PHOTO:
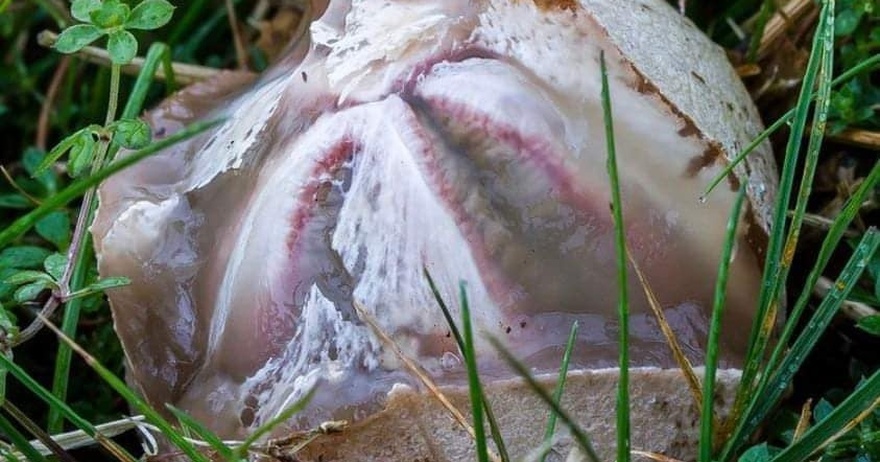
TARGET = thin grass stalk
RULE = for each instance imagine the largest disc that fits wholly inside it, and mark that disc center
(771, 390)
(826, 250)
(849, 276)
(84, 253)
(19, 441)
(580, 437)
(132, 398)
(770, 295)
(707, 415)
(283, 416)
(28, 382)
(39, 433)
(864, 66)
(865, 396)
(767, 8)
(623, 432)
(187, 421)
(474, 387)
(494, 428)
(560, 387)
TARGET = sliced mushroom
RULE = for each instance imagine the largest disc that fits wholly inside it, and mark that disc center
(461, 137)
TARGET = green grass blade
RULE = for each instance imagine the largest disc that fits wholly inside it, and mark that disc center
(83, 262)
(77, 188)
(202, 432)
(494, 428)
(282, 417)
(768, 394)
(832, 240)
(54, 402)
(580, 437)
(864, 66)
(767, 8)
(774, 272)
(41, 436)
(19, 441)
(475, 389)
(560, 387)
(135, 102)
(849, 276)
(707, 415)
(623, 433)
(866, 395)
(168, 431)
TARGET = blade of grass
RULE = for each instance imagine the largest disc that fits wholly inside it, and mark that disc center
(707, 415)
(77, 188)
(157, 54)
(224, 451)
(19, 441)
(671, 340)
(774, 271)
(560, 387)
(623, 438)
(494, 428)
(475, 389)
(772, 389)
(131, 397)
(40, 434)
(580, 437)
(837, 231)
(414, 368)
(864, 66)
(764, 14)
(52, 401)
(283, 416)
(814, 329)
(865, 396)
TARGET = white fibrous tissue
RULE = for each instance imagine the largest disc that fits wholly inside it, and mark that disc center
(462, 139)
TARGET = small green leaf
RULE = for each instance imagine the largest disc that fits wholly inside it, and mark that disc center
(55, 228)
(870, 324)
(27, 276)
(76, 37)
(62, 147)
(846, 21)
(23, 257)
(100, 286)
(122, 46)
(31, 161)
(112, 13)
(81, 154)
(82, 9)
(30, 291)
(759, 453)
(131, 133)
(150, 14)
(55, 265)
(14, 201)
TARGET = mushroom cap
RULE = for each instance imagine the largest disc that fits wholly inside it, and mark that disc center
(462, 137)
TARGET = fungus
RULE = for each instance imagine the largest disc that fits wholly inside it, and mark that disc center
(461, 137)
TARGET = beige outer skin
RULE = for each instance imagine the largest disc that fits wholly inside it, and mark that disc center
(413, 427)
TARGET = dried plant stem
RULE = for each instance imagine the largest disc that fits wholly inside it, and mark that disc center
(184, 73)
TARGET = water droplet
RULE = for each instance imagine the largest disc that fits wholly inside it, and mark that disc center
(703, 199)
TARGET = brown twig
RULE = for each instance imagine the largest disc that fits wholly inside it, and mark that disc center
(781, 20)
(183, 73)
(240, 51)
(18, 188)
(857, 137)
(48, 102)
